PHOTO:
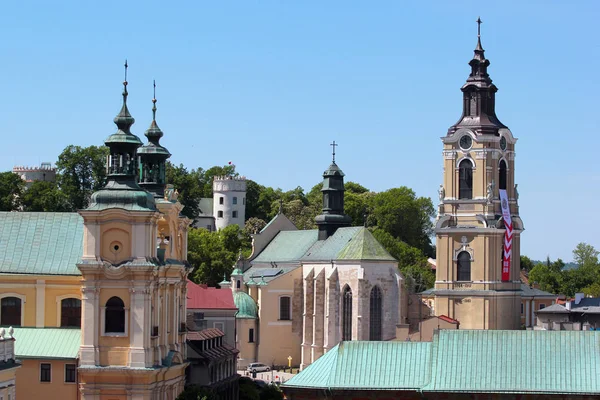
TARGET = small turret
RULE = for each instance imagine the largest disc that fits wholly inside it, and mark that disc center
(333, 216)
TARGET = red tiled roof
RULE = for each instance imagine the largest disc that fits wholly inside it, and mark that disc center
(204, 334)
(448, 319)
(202, 297)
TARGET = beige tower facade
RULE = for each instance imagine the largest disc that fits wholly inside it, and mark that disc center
(479, 161)
(133, 279)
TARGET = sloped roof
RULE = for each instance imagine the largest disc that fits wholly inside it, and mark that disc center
(43, 243)
(364, 365)
(471, 361)
(50, 343)
(527, 291)
(553, 309)
(287, 246)
(199, 297)
(350, 243)
(246, 305)
(478, 361)
(209, 333)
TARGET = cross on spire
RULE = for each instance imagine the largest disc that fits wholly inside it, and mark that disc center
(333, 145)
(154, 101)
(479, 22)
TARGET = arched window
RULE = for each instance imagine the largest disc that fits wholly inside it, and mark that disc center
(115, 316)
(285, 312)
(463, 270)
(502, 174)
(375, 311)
(70, 313)
(465, 179)
(347, 314)
(10, 311)
(238, 284)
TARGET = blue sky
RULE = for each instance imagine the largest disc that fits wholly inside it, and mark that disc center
(269, 84)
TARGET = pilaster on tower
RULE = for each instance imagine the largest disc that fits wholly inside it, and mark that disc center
(479, 161)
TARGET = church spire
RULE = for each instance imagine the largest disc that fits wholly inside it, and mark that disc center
(479, 95)
(332, 216)
(121, 189)
(153, 157)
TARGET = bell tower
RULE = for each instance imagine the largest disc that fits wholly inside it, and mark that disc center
(133, 282)
(479, 164)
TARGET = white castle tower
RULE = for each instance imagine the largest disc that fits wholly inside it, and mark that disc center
(229, 201)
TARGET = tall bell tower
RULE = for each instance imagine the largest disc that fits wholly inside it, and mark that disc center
(479, 162)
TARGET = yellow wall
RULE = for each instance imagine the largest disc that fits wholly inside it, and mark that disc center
(279, 339)
(6, 376)
(30, 387)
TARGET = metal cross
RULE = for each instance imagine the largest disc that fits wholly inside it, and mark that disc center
(154, 94)
(479, 21)
(333, 145)
(126, 70)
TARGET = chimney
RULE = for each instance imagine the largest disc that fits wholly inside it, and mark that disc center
(568, 305)
(578, 297)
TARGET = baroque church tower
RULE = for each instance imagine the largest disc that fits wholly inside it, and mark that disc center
(134, 273)
(479, 163)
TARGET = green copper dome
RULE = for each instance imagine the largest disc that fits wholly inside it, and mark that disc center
(246, 305)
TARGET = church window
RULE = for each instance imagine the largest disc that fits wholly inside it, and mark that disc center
(70, 313)
(375, 310)
(235, 200)
(347, 314)
(251, 335)
(502, 174)
(115, 316)
(70, 372)
(10, 311)
(238, 284)
(522, 308)
(285, 312)
(220, 214)
(45, 372)
(463, 270)
(465, 176)
(221, 200)
(234, 214)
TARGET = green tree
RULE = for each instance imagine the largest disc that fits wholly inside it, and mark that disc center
(405, 216)
(209, 174)
(271, 392)
(585, 255)
(80, 172)
(248, 390)
(44, 196)
(526, 263)
(190, 186)
(546, 277)
(11, 190)
(213, 254)
(197, 393)
(412, 263)
(254, 225)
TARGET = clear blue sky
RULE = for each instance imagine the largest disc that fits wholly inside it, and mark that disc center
(269, 84)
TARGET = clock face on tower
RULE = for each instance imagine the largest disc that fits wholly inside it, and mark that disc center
(465, 142)
(503, 143)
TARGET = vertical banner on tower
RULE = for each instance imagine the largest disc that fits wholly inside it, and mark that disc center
(508, 235)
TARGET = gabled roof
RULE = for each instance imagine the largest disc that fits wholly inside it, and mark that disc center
(553, 309)
(287, 246)
(43, 243)
(49, 343)
(363, 365)
(209, 333)
(350, 243)
(471, 361)
(199, 297)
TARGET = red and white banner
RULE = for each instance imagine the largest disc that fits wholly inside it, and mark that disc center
(508, 235)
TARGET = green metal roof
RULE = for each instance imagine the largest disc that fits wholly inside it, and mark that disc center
(287, 246)
(246, 305)
(471, 361)
(365, 365)
(350, 243)
(515, 361)
(51, 343)
(40, 243)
